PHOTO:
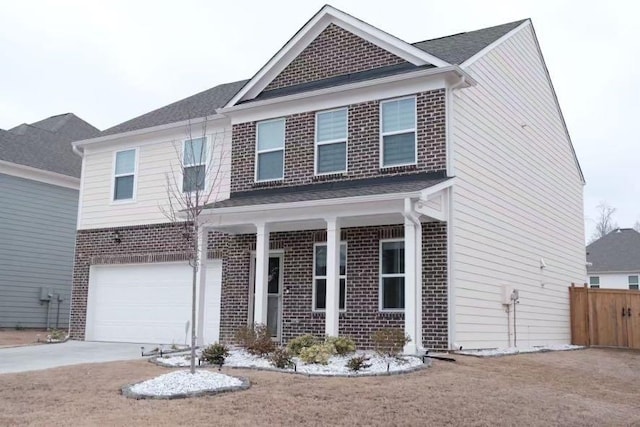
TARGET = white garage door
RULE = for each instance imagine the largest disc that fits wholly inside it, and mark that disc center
(149, 303)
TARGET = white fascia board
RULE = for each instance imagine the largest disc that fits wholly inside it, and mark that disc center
(495, 44)
(632, 272)
(146, 131)
(337, 96)
(434, 189)
(40, 175)
(328, 15)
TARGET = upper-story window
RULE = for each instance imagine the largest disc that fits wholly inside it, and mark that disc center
(194, 161)
(398, 132)
(124, 174)
(633, 282)
(594, 282)
(270, 150)
(331, 141)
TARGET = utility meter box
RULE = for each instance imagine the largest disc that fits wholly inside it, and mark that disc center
(509, 295)
(46, 294)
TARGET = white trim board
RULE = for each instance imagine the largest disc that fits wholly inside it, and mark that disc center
(39, 175)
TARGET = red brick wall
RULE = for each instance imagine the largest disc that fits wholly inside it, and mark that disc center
(139, 244)
(363, 145)
(334, 52)
(362, 316)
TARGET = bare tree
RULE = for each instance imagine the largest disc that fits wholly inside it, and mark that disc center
(190, 186)
(605, 223)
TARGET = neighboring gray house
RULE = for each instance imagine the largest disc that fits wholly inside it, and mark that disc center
(613, 261)
(39, 185)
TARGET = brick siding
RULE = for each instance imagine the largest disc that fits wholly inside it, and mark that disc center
(363, 145)
(334, 52)
(362, 316)
(138, 244)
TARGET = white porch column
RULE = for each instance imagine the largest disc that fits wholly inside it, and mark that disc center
(202, 281)
(262, 273)
(410, 277)
(333, 278)
(418, 302)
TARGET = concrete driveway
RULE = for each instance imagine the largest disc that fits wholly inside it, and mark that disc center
(36, 357)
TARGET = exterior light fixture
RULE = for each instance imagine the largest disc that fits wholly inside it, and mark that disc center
(116, 237)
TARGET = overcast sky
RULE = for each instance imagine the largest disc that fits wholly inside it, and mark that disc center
(110, 61)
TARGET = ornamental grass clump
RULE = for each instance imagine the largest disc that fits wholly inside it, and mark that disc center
(281, 358)
(317, 353)
(297, 344)
(256, 340)
(357, 363)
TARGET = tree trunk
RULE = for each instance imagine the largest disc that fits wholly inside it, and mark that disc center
(194, 269)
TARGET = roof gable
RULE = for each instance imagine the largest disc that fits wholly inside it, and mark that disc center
(618, 251)
(321, 21)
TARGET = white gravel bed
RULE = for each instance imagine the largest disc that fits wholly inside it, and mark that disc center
(518, 350)
(184, 384)
(337, 366)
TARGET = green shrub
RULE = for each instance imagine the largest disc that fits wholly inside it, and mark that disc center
(215, 354)
(318, 353)
(343, 345)
(390, 342)
(358, 362)
(281, 358)
(256, 340)
(57, 335)
(297, 344)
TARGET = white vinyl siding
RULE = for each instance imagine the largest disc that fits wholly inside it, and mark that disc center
(270, 150)
(391, 275)
(331, 141)
(320, 277)
(398, 132)
(614, 280)
(194, 158)
(517, 199)
(158, 157)
(124, 175)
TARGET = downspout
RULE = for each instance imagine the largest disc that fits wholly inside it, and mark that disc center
(413, 216)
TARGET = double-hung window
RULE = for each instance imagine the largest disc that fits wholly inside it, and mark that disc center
(331, 141)
(392, 275)
(320, 277)
(633, 282)
(194, 158)
(398, 132)
(270, 150)
(594, 282)
(124, 174)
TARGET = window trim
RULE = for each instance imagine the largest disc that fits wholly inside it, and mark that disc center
(314, 278)
(415, 132)
(134, 192)
(316, 143)
(594, 285)
(637, 283)
(270, 150)
(205, 164)
(380, 277)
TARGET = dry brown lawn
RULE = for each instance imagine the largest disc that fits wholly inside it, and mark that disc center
(586, 387)
(14, 338)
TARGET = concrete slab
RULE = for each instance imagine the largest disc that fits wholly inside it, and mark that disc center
(33, 358)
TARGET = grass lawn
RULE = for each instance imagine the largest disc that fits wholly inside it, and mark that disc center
(584, 387)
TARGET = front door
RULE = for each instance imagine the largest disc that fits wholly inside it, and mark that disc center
(274, 294)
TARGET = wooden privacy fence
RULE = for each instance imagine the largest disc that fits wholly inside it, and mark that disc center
(605, 317)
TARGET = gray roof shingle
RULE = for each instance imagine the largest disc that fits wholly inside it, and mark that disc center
(454, 49)
(457, 48)
(618, 251)
(46, 144)
(334, 190)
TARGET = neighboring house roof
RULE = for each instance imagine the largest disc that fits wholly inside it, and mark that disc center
(46, 144)
(618, 251)
(334, 190)
(457, 48)
(454, 49)
(202, 104)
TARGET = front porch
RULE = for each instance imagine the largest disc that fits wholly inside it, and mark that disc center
(283, 266)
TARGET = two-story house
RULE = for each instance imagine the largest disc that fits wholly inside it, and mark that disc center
(39, 185)
(369, 183)
(613, 261)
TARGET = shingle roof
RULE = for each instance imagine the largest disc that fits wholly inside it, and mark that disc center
(457, 48)
(454, 49)
(334, 190)
(46, 144)
(618, 251)
(199, 105)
